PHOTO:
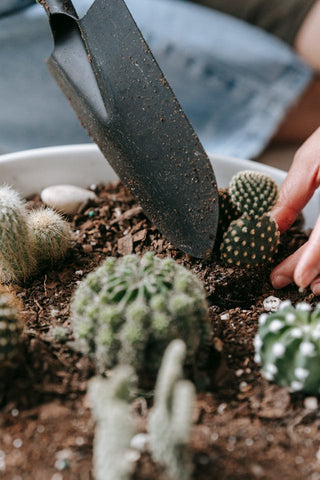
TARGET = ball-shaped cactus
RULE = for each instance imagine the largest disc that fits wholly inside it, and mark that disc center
(129, 309)
(288, 347)
(253, 193)
(10, 326)
(50, 234)
(250, 241)
(17, 261)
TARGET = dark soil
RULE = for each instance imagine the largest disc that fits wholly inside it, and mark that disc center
(245, 428)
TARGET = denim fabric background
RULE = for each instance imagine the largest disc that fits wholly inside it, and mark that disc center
(234, 81)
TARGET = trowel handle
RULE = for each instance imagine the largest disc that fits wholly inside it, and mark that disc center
(59, 6)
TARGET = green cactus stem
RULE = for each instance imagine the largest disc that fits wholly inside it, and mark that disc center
(253, 193)
(129, 309)
(114, 425)
(170, 420)
(51, 235)
(249, 241)
(288, 347)
(17, 261)
(10, 326)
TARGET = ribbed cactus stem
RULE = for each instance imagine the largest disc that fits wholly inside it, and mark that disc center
(114, 425)
(170, 420)
(50, 234)
(288, 347)
(10, 326)
(130, 308)
(17, 261)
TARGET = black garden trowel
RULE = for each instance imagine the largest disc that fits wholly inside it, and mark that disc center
(110, 77)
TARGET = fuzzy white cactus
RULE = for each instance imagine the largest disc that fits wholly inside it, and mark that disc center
(171, 417)
(114, 425)
(28, 241)
(17, 261)
(51, 235)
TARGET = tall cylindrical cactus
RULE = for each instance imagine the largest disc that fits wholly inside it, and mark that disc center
(171, 417)
(129, 309)
(17, 261)
(114, 424)
(288, 347)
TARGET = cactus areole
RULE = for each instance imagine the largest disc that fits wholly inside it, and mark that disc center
(288, 347)
(129, 309)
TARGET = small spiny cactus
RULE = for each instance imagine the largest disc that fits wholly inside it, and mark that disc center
(129, 309)
(114, 425)
(171, 417)
(10, 326)
(250, 241)
(51, 235)
(28, 241)
(17, 261)
(253, 193)
(252, 238)
(288, 347)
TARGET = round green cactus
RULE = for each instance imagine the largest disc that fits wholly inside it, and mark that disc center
(50, 235)
(129, 309)
(288, 347)
(10, 326)
(253, 193)
(250, 241)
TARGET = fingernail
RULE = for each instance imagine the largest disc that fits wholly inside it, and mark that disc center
(316, 289)
(280, 281)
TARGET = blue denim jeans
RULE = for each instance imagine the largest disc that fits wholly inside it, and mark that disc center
(234, 81)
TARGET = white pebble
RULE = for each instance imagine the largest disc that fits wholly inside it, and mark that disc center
(271, 304)
(67, 199)
(225, 316)
(140, 442)
(311, 403)
(17, 443)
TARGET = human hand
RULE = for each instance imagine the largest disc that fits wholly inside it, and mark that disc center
(303, 266)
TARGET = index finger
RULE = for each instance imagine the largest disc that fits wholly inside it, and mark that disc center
(298, 187)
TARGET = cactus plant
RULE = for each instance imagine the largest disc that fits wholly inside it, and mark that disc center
(28, 241)
(17, 261)
(250, 241)
(51, 235)
(114, 425)
(10, 326)
(253, 193)
(171, 417)
(129, 309)
(288, 347)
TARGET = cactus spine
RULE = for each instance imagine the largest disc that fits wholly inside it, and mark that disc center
(10, 326)
(288, 347)
(114, 426)
(129, 309)
(171, 417)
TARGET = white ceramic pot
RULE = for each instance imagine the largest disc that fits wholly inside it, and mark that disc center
(31, 170)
